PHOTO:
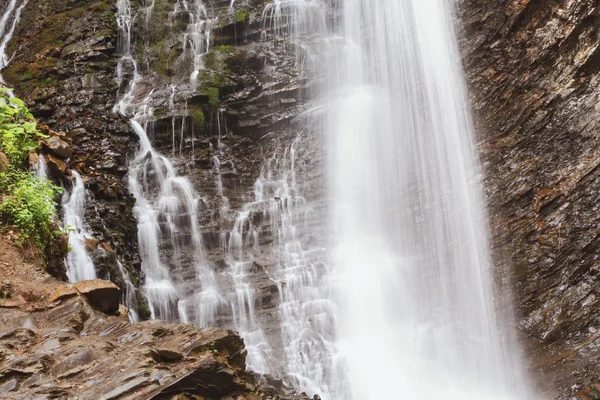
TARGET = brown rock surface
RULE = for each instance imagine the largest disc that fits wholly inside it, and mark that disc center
(533, 74)
(56, 166)
(4, 162)
(68, 349)
(102, 295)
(57, 147)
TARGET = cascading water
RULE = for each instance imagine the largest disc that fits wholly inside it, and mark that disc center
(8, 23)
(166, 203)
(41, 168)
(411, 267)
(402, 307)
(79, 264)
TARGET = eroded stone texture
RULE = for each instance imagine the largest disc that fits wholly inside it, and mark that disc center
(74, 350)
(55, 342)
(533, 73)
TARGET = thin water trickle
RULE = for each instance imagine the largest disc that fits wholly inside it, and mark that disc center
(41, 168)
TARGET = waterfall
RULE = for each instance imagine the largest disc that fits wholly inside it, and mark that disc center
(8, 23)
(399, 298)
(79, 264)
(411, 266)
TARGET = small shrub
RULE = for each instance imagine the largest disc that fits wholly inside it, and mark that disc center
(29, 205)
(213, 96)
(197, 116)
(241, 15)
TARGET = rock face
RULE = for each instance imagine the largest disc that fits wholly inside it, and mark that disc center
(244, 112)
(533, 74)
(70, 349)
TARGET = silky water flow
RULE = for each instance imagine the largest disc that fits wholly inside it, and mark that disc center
(411, 267)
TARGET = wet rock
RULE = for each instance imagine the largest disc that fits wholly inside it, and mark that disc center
(57, 147)
(4, 162)
(51, 362)
(56, 166)
(532, 70)
(102, 295)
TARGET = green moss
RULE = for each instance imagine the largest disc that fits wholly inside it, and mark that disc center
(198, 116)
(213, 96)
(241, 15)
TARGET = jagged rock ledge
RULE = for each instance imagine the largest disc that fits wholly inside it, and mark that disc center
(55, 342)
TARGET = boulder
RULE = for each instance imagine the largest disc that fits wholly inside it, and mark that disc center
(165, 355)
(56, 166)
(4, 163)
(102, 295)
(57, 147)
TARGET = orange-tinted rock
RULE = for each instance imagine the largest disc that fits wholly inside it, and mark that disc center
(102, 295)
(62, 292)
(56, 166)
(107, 247)
(91, 244)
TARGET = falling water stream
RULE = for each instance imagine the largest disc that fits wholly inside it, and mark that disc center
(411, 265)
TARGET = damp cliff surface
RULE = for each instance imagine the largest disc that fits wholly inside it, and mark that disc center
(234, 130)
(63, 67)
(532, 69)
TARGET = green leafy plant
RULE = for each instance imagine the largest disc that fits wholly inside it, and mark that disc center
(18, 132)
(29, 205)
(241, 15)
(27, 202)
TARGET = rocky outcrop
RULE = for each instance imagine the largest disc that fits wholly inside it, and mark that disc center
(56, 342)
(4, 163)
(533, 74)
(69, 349)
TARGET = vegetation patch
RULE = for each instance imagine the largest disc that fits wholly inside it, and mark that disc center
(241, 15)
(27, 202)
(197, 116)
